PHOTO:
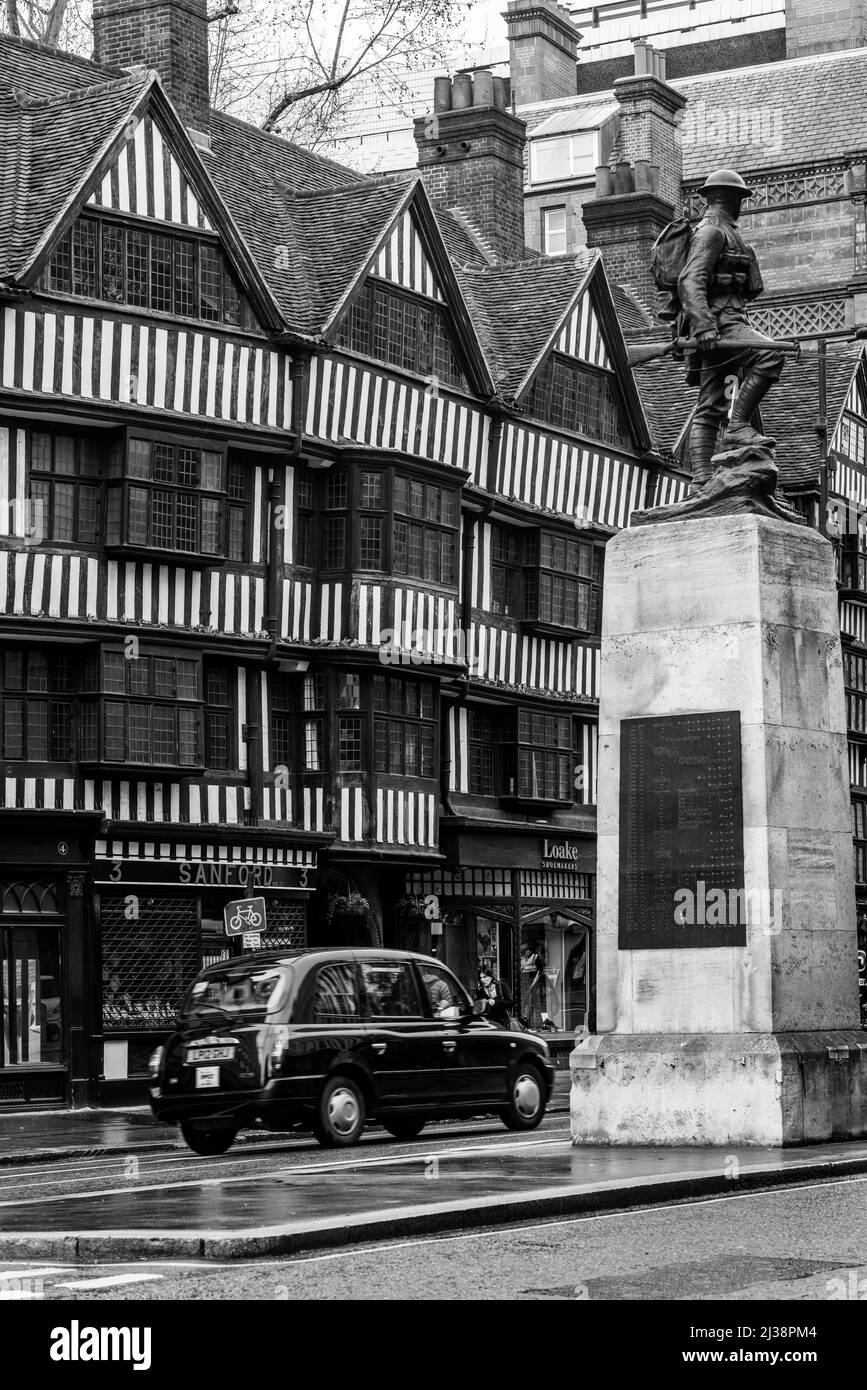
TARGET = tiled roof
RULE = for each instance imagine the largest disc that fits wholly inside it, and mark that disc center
(47, 148)
(35, 71)
(775, 115)
(788, 411)
(516, 309)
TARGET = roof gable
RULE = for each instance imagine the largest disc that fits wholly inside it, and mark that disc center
(410, 248)
(402, 259)
(146, 178)
(582, 337)
(130, 153)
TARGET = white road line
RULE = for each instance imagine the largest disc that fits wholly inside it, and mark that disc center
(493, 1232)
(420, 1156)
(109, 1281)
(33, 1273)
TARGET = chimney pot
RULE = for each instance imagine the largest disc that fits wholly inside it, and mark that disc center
(442, 94)
(662, 65)
(623, 178)
(643, 60)
(604, 185)
(642, 176)
(500, 93)
(483, 88)
(462, 91)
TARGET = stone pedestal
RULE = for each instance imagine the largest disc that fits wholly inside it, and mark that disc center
(760, 1042)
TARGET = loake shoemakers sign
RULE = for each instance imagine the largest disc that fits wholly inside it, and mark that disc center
(77, 1343)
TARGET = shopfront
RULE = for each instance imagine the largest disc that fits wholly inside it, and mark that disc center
(532, 926)
(159, 919)
(43, 959)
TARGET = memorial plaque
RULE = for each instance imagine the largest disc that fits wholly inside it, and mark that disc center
(681, 832)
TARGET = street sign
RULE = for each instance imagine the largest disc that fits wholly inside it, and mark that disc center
(251, 940)
(244, 915)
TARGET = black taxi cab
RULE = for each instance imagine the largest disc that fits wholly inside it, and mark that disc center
(326, 1039)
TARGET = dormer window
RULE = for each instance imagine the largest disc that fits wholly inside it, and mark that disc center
(168, 272)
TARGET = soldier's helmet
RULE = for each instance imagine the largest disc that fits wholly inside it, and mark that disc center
(725, 178)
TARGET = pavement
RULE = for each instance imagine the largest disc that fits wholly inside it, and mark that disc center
(355, 1196)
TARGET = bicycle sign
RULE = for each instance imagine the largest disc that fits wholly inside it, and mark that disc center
(244, 915)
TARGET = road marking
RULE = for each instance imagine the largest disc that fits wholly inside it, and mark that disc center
(421, 1156)
(108, 1281)
(33, 1273)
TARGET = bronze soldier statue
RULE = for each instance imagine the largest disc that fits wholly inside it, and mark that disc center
(720, 278)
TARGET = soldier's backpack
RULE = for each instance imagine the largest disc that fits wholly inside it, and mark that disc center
(669, 253)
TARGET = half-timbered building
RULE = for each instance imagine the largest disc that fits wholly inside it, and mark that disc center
(301, 553)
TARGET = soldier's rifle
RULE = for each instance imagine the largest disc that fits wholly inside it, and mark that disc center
(639, 353)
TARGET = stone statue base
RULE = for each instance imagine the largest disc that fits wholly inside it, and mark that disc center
(744, 481)
(707, 1042)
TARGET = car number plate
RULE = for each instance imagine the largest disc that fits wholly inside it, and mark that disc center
(207, 1076)
(210, 1054)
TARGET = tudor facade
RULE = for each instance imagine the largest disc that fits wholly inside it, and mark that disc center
(299, 590)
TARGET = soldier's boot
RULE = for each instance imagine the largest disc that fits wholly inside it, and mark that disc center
(702, 447)
(752, 390)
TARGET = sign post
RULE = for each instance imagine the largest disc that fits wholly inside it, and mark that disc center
(245, 917)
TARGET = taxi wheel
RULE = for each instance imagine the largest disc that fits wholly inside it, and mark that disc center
(340, 1115)
(208, 1141)
(527, 1104)
(404, 1128)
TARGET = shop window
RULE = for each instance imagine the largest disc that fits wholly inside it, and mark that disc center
(393, 327)
(37, 700)
(147, 962)
(171, 274)
(220, 742)
(31, 1002)
(64, 486)
(166, 496)
(563, 582)
(505, 571)
(554, 973)
(390, 990)
(144, 710)
(578, 398)
(404, 726)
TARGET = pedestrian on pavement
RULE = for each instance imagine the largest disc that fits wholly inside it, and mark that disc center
(491, 991)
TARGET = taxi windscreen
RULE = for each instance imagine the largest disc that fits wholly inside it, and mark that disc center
(238, 993)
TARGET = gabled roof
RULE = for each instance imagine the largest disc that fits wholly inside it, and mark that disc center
(34, 70)
(60, 149)
(788, 412)
(48, 148)
(521, 308)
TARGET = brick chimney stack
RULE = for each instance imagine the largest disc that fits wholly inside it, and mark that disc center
(168, 35)
(543, 50)
(817, 26)
(635, 200)
(471, 156)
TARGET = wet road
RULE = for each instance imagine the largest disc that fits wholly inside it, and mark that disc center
(803, 1243)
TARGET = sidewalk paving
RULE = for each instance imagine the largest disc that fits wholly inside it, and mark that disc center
(47, 1136)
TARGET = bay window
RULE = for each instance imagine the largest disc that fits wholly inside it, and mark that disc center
(404, 727)
(168, 496)
(563, 582)
(64, 486)
(381, 520)
(37, 705)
